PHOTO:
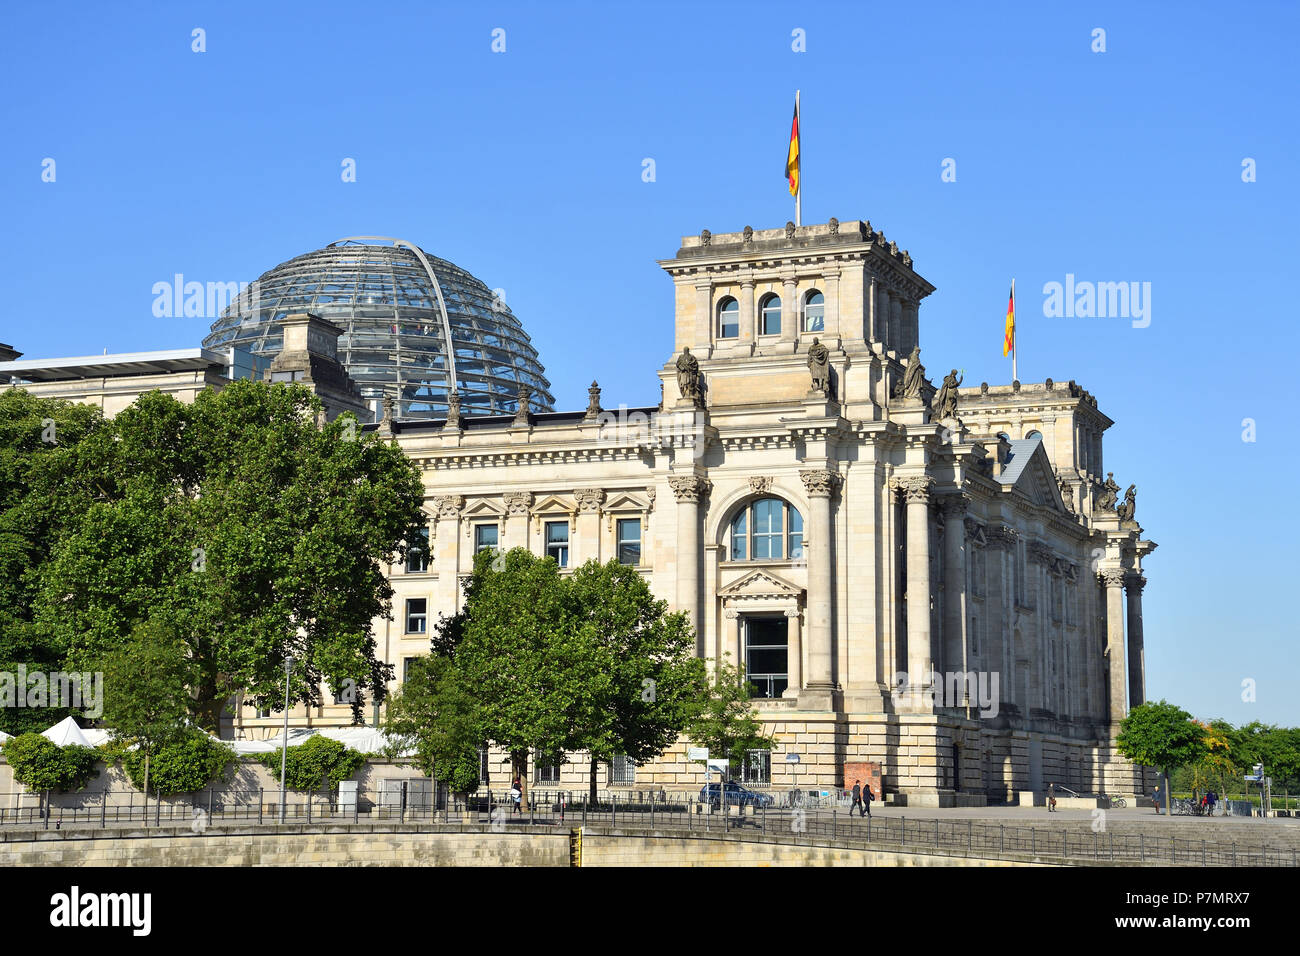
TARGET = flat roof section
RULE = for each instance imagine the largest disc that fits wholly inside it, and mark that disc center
(111, 366)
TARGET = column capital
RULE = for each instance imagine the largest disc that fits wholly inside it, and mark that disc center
(1001, 536)
(689, 488)
(820, 482)
(518, 502)
(1111, 577)
(1135, 582)
(913, 487)
(448, 506)
(953, 505)
(589, 499)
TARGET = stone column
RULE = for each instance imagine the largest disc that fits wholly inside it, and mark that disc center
(587, 545)
(689, 490)
(818, 533)
(445, 548)
(954, 583)
(705, 333)
(911, 325)
(880, 327)
(920, 656)
(516, 524)
(794, 654)
(1112, 579)
(1137, 669)
(896, 324)
(747, 328)
(789, 310)
(831, 300)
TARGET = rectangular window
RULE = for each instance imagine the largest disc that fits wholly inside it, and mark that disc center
(406, 668)
(768, 529)
(417, 559)
(767, 656)
(482, 765)
(485, 536)
(757, 767)
(416, 615)
(622, 771)
(740, 536)
(629, 541)
(557, 542)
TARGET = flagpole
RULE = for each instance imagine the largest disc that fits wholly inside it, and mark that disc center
(1015, 335)
(798, 193)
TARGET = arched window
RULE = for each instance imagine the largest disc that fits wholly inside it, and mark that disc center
(1034, 434)
(770, 315)
(728, 318)
(768, 529)
(814, 312)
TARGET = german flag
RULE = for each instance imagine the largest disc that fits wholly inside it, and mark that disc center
(1009, 337)
(792, 157)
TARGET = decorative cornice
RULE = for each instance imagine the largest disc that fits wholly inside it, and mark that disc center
(820, 482)
(689, 489)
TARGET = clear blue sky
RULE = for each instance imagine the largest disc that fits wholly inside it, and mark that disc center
(524, 167)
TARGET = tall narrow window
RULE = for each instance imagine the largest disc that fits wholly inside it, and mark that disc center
(740, 536)
(416, 615)
(770, 315)
(767, 655)
(417, 559)
(814, 313)
(557, 542)
(768, 529)
(758, 767)
(485, 536)
(629, 541)
(728, 318)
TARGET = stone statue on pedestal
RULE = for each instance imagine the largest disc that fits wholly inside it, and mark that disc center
(1109, 493)
(915, 376)
(945, 403)
(819, 358)
(688, 376)
(1128, 505)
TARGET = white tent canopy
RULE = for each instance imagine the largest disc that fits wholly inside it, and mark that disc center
(65, 733)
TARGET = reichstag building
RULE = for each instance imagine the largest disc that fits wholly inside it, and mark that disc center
(941, 579)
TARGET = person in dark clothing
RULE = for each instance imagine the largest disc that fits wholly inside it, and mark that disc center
(867, 797)
(857, 797)
(1051, 798)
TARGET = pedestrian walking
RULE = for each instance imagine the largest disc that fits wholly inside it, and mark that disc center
(867, 797)
(857, 798)
(1155, 795)
(517, 794)
(1051, 798)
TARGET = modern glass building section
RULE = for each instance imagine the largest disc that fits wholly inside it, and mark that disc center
(404, 315)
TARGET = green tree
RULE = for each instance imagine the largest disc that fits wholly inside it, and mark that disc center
(655, 682)
(42, 765)
(314, 762)
(521, 649)
(41, 494)
(245, 528)
(181, 764)
(436, 713)
(1161, 735)
(727, 723)
(146, 702)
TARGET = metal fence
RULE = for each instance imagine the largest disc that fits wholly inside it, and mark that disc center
(417, 802)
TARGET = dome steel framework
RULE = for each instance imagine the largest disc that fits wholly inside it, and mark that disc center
(399, 308)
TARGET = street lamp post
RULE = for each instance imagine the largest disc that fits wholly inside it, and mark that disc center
(284, 750)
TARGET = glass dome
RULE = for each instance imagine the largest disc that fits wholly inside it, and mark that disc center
(398, 308)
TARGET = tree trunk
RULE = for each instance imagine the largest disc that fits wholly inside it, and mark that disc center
(146, 779)
(591, 784)
(1168, 798)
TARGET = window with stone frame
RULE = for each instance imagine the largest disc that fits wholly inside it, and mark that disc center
(546, 769)
(814, 312)
(416, 615)
(417, 558)
(557, 542)
(628, 541)
(622, 771)
(486, 536)
(769, 315)
(728, 318)
(768, 529)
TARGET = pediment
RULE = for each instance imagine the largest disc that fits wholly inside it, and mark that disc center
(550, 504)
(626, 501)
(1037, 481)
(760, 583)
(483, 508)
